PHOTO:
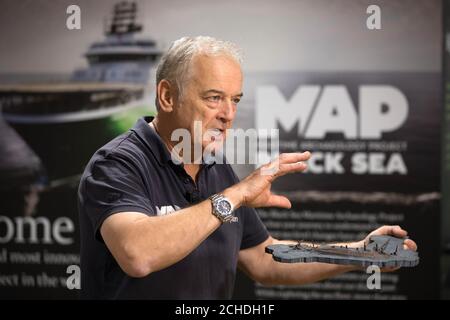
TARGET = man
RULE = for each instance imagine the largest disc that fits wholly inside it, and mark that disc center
(152, 227)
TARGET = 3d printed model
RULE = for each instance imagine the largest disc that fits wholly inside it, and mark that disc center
(383, 251)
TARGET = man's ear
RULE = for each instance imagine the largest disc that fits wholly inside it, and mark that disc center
(166, 95)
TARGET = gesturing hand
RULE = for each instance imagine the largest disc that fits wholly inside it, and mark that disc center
(255, 189)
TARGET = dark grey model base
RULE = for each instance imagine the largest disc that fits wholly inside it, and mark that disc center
(382, 251)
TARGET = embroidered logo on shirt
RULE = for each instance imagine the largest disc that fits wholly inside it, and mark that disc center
(162, 211)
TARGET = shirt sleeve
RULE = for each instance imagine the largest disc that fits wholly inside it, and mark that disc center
(112, 187)
(254, 232)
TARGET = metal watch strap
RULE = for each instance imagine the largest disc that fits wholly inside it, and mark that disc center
(214, 199)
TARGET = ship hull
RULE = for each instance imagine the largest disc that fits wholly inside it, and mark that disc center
(66, 142)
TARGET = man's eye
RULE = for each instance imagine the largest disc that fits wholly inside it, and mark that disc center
(236, 100)
(214, 98)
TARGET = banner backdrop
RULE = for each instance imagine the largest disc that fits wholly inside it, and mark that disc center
(365, 101)
(374, 138)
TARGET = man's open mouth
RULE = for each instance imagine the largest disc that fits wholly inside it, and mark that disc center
(214, 134)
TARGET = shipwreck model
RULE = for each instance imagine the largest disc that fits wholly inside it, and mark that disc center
(382, 251)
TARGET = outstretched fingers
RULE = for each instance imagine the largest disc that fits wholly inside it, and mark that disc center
(286, 163)
(278, 201)
(291, 168)
(294, 157)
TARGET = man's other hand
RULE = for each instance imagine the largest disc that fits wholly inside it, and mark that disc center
(395, 231)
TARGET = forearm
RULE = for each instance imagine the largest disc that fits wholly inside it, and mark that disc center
(271, 272)
(163, 241)
(302, 273)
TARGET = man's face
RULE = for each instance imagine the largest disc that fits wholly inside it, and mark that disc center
(210, 95)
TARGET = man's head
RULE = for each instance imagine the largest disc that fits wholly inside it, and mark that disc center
(199, 79)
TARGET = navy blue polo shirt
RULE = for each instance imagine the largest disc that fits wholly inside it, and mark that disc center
(134, 172)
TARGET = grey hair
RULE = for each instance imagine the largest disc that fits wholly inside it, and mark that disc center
(174, 64)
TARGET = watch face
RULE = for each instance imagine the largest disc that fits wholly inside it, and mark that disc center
(224, 207)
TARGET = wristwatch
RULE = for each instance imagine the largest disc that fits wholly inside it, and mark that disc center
(222, 208)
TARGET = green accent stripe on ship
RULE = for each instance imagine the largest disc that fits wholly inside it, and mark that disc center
(123, 121)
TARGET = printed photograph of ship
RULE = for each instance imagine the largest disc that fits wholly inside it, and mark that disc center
(63, 123)
(50, 126)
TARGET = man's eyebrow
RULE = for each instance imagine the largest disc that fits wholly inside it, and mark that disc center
(221, 92)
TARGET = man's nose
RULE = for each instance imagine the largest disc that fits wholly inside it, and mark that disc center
(228, 110)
